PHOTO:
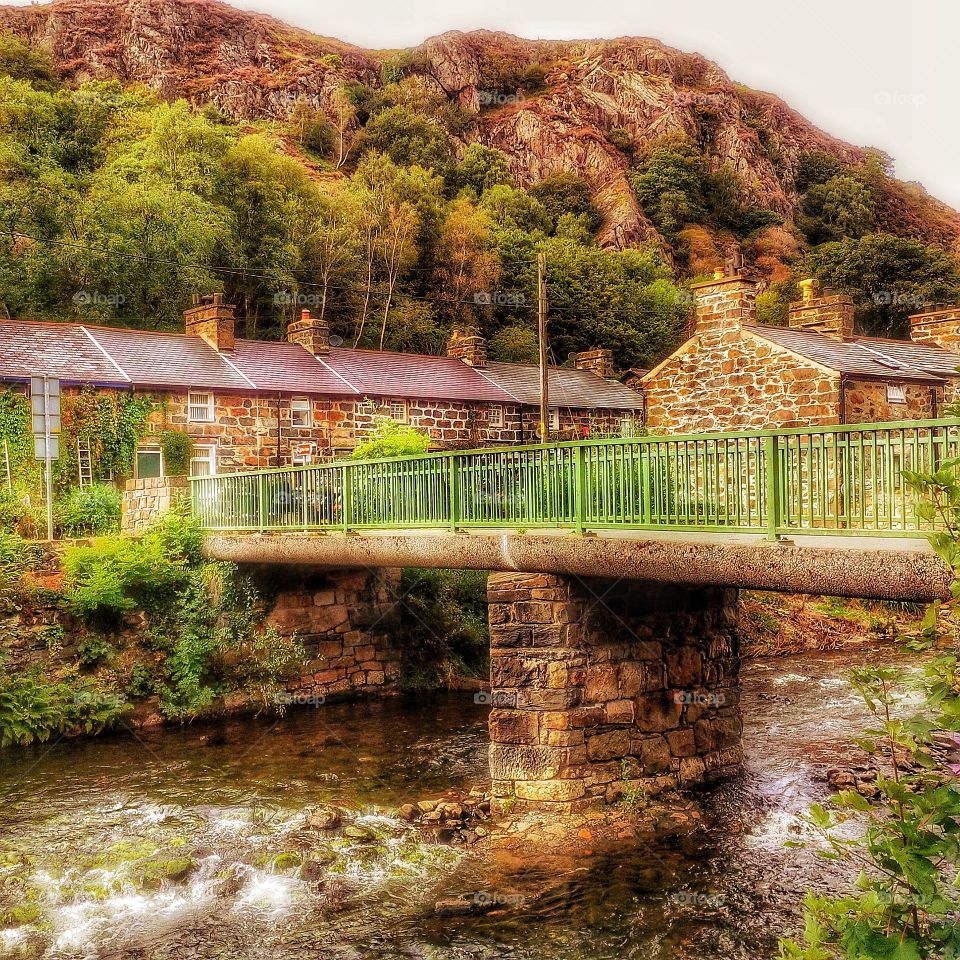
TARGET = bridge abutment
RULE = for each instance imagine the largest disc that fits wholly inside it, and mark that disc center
(601, 686)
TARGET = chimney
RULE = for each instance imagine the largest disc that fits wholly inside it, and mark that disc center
(831, 315)
(724, 304)
(311, 333)
(938, 327)
(211, 319)
(596, 361)
(469, 347)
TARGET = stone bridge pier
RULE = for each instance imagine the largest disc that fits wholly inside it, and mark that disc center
(600, 685)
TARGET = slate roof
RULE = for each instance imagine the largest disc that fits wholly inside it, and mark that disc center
(866, 357)
(54, 350)
(567, 387)
(407, 375)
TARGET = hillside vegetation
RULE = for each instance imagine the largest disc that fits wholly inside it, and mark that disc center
(398, 195)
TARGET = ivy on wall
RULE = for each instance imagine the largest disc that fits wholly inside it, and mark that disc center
(15, 430)
(112, 423)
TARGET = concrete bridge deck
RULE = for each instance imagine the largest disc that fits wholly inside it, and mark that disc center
(880, 568)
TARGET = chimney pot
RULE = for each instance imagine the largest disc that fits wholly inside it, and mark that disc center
(468, 346)
(211, 319)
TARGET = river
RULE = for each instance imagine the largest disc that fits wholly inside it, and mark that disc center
(184, 843)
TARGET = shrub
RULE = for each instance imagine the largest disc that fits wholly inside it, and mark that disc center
(89, 511)
(177, 450)
(389, 438)
(95, 650)
(35, 706)
(564, 193)
(443, 625)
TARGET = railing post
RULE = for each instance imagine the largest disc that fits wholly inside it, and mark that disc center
(773, 487)
(453, 476)
(646, 506)
(347, 496)
(261, 501)
(579, 489)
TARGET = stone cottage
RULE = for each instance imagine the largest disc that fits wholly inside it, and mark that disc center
(736, 374)
(250, 403)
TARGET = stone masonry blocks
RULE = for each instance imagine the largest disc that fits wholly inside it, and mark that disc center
(600, 684)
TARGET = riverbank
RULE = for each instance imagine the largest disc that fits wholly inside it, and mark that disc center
(188, 844)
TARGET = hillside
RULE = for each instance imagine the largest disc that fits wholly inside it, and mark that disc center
(594, 104)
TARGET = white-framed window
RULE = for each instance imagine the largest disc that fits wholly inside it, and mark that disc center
(203, 463)
(495, 415)
(301, 412)
(555, 419)
(149, 462)
(200, 407)
(628, 426)
(395, 410)
(896, 393)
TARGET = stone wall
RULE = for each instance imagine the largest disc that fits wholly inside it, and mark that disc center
(866, 402)
(146, 500)
(346, 620)
(599, 686)
(738, 381)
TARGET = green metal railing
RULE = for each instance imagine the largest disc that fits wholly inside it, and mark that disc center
(812, 480)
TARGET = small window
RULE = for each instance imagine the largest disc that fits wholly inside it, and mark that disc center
(203, 463)
(627, 427)
(495, 416)
(555, 419)
(200, 407)
(301, 412)
(896, 393)
(395, 410)
(149, 463)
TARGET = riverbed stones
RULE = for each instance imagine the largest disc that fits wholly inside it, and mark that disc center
(597, 683)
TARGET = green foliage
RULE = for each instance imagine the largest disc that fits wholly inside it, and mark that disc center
(88, 511)
(515, 344)
(390, 438)
(22, 61)
(311, 128)
(907, 896)
(622, 139)
(36, 706)
(95, 650)
(889, 278)
(562, 193)
(177, 448)
(15, 560)
(482, 168)
(15, 430)
(816, 167)
(509, 207)
(203, 618)
(841, 207)
(408, 139)
(443, 625)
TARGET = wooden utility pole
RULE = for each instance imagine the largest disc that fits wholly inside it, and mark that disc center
(542, 332)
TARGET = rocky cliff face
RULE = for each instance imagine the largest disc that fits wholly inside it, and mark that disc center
(255, 67)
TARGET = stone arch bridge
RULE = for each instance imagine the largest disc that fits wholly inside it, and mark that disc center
(615, 571)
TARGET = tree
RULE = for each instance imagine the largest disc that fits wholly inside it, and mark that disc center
(840, 208)
(565, 192)
(511, 207)
(344, 119)
(408, 139)
(515, 343)
(889, 278)
(311, 128)
(816, 166)
(669, 185)
(22, 61)
(467, 264)
(482, 168)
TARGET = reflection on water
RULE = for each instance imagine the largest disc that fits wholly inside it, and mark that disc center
(190, 843)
